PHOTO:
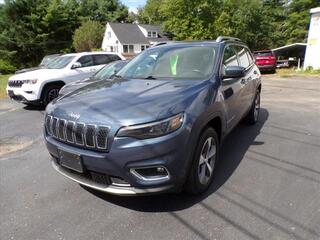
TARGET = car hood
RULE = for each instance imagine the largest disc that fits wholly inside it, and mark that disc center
(125, 102)
(39, 74)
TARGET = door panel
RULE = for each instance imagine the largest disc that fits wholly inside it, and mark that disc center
(231, 88)
(246, 81)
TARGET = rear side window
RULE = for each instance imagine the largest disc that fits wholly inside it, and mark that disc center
(251, 60)
(243, 57)
(230, 57)
(263, 54)
(105, 58)
(86, 61)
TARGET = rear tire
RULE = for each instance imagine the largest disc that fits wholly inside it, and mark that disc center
(253, 114)
(204, 162)
(49, 93)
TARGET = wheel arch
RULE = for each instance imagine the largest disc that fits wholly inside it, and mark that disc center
(47, 84)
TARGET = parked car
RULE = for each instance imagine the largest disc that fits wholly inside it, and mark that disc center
(45, 61)
(157, 126)
(265, 60)
(43, 85)
(103, 74)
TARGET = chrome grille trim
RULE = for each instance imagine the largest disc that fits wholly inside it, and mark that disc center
(93, 135)
(79, 127)
(54, 126)
(62, 129)
(49, 124)
(72, 125)
(99, 131)
(89, 136)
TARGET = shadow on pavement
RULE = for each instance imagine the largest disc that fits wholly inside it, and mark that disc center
(34, 108)
(232, 152)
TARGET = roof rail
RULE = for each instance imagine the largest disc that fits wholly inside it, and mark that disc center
(226, 38)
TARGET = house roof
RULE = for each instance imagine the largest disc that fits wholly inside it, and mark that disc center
(128, 33)
(131, 33)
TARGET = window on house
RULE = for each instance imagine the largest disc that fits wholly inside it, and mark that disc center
(142, 47)
(109, 35)
(128, 48)
(154, 34)
(149, 34)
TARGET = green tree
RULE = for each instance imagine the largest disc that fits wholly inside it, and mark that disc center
(102, 10)
(88, 36)
(297, 21)
(150, 13)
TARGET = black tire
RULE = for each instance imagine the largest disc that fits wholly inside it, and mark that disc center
(253, 115)
(49, 93)
(195, 183)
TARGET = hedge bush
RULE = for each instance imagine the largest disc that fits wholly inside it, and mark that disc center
(6, 67)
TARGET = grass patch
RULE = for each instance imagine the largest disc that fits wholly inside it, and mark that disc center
(288, 72)
(3, 85)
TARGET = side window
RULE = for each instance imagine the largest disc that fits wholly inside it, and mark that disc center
(250, 56)
(105, 58)
(114, 57)
(86, 61)
(230, 57)
(101, 59)
(243, 56)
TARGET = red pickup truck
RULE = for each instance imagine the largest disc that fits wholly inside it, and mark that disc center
(265, 60)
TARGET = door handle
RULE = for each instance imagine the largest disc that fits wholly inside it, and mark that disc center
(243, 81)
(92, 70)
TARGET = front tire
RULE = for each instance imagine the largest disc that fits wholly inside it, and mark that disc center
(50, 93)
(204, 162)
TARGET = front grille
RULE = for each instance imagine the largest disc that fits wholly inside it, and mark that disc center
(76, 133)
(15, 83)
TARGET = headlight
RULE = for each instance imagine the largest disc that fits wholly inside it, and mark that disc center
(31, 81)
(154, 129)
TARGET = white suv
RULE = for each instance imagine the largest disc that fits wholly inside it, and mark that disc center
(42, 86)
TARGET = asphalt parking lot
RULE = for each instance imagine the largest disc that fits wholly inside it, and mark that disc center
(267, 184)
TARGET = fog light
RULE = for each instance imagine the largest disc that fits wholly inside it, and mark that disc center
(151, 173)
(118, 181)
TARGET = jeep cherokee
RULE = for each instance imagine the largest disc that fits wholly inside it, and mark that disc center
(158, 124)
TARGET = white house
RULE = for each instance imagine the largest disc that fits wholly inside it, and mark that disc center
(130, 39)
(312, 57)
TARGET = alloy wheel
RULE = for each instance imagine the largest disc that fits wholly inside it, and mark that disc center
(207, 160)
(52, 94)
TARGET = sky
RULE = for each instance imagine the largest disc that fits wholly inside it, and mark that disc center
(132, 4)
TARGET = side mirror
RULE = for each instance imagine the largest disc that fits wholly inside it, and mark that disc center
(76, 65)
(234, 72)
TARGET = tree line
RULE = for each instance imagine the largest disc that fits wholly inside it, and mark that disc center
(30, 29)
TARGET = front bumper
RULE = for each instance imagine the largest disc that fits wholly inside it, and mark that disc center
(23, 95)
(124, 155)
(125, 191)
(266, 67)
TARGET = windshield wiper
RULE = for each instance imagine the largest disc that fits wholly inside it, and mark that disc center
(151, 77)
(117, 76)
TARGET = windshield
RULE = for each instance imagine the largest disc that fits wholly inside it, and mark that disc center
(60, 62)
(262, 54)
(180, 62)
(47, 59)
(109, 70)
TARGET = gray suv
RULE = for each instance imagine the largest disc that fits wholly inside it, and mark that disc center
(157, 125)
